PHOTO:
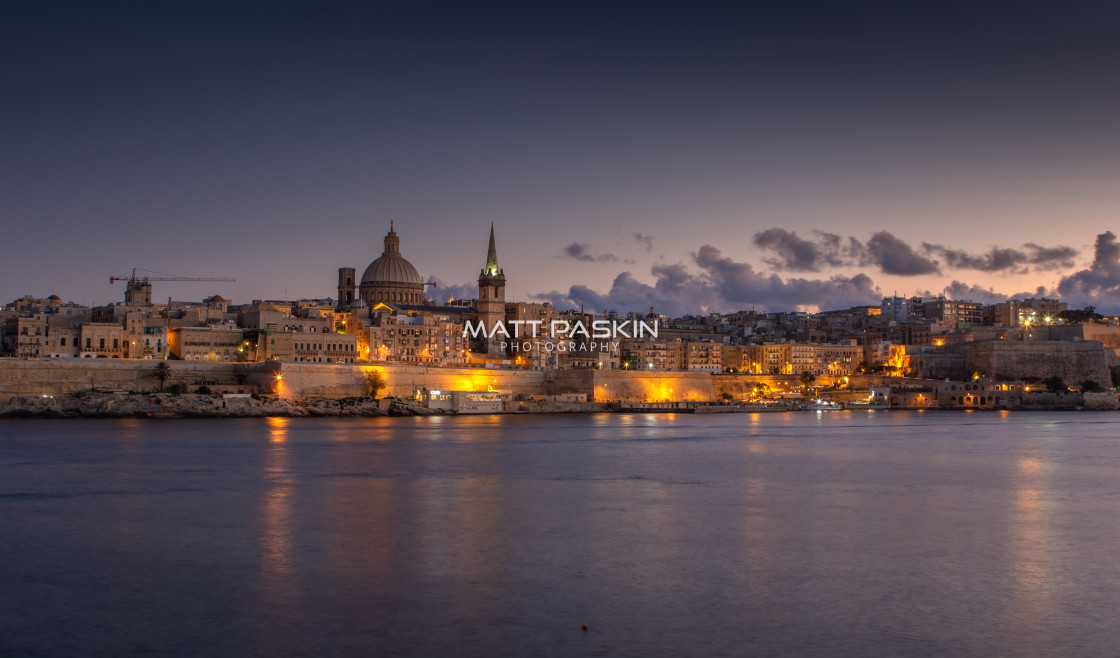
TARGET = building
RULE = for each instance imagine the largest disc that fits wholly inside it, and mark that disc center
(953, 313)
(981, 393)
(346, 288)
(102, 340)
(390, 278)
(464, 402)
(492, 301)
(895, 309)
(25, 336)
(212, 343)
(416, 337)
(309, 347)
(1043, 307)
(537, 352)
(659, 355)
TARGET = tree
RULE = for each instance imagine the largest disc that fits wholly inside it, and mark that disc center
(375, 381)
(806, 378)
(1087, 314)
(1055, 384)
(1091, 385)
(162, 372)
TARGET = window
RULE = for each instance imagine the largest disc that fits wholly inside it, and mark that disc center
(102, 343)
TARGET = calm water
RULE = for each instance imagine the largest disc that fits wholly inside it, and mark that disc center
(856, 534)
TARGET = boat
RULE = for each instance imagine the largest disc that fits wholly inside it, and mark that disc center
(823, 405)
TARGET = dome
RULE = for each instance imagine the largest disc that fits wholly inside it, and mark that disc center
(391, 268)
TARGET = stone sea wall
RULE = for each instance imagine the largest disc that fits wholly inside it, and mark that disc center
(165, 405)
(299, 381)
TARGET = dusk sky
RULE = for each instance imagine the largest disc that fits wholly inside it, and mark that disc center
(696, 158)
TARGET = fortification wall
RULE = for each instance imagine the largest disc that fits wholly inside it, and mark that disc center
(306, 380)
(626, 386)
(940, 365)
(69, 376)
(1073, 361)
(1107, 334)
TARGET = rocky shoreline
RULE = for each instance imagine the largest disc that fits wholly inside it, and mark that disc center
(166, 405)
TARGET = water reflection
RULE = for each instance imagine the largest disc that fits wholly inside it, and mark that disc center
(763, 534)
(278, 589)
(1032, 559)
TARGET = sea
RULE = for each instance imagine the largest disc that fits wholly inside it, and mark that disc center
(852, 533)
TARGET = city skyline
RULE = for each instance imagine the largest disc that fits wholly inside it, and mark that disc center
(707, 160)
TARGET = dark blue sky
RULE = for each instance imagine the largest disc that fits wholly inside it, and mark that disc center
(629, 156)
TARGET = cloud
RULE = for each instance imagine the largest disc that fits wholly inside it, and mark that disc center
(1001, 259)
(828, 250)
(442, 290)
(786, 250)
(1100, 284)
(1051, 257)
(646, 241)
(801, 255)
(893, 256)
(717, 284)
(740, 285)
(582, 251)
(963, 292)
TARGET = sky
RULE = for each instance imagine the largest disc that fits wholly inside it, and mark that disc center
(696, 158)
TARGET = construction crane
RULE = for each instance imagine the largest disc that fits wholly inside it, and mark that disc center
(139, 288)
(135, 280)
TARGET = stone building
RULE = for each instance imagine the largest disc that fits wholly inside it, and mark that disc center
(102, 340)
(25, 336)
(492, 299)
(980, 394)
(425, 338)
(212, 343)
(657, 355)
(702, 356)
(309, 347)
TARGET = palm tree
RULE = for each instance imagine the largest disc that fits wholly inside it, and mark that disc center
(162, 372)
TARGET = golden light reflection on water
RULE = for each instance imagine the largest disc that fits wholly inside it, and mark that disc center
(1032, 550)
(278, 429)
(277, 569)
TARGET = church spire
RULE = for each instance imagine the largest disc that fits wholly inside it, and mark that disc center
(492, 268)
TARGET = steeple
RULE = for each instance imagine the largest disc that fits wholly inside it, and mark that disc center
(491, 306)
(492, 268)
(392, 242)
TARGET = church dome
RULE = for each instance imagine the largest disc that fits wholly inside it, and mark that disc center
(391, 268)
(391, 279)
